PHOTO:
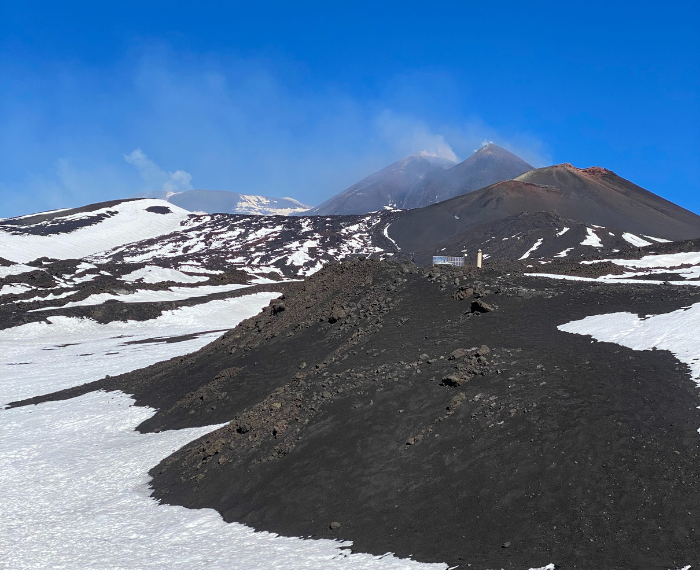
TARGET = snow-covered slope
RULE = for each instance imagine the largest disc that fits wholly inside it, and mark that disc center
(221, 201)
(90, 508)
(73, 234)
(290, 246)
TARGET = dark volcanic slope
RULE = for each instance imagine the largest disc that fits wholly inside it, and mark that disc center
(359, 398)
(591, 196)
(488, 165)
(388, 187)
(530, 236)
(419, 180)
(602, 197)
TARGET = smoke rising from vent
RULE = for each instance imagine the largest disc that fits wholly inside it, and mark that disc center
(156, 178)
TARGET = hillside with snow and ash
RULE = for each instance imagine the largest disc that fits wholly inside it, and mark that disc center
(226, 202)
(186, 390)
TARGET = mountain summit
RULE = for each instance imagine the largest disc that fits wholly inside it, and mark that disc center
(420, 180)
(387, 188)
(488, 165)
(587, 195)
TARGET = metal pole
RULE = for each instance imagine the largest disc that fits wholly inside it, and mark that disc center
(478, 259)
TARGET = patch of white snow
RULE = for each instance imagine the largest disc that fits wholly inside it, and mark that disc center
(39, 358)
(74, 479)
(155, 274)
(635, 240)
(564, 253)
(537, 244)
(592, 239)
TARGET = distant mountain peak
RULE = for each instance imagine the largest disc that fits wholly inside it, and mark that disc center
(424, 178)
(487, 147)
(491, 148)
(223, 201)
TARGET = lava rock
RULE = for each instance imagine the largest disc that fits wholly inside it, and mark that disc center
(454, 380)
(479, 306)
(464, 293)
(337, 313)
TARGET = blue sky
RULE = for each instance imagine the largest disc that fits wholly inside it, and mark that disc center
(102, 100)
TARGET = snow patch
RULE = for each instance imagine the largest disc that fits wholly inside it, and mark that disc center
(16, 269)
(562, 232)
(191, 268)
(148, 296)
(612, 279)
(90, 505)
(635, 240)
(660, 240)
(659, 260)
(537, 244)
(15, 289)
(155, 274)
(592, 239)
(131, 222)
(386, 235)
(43, 357)
(675, 331)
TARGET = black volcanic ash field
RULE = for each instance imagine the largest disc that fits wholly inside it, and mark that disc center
(378, 396)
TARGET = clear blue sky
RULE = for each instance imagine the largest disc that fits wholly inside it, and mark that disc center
(101, 100)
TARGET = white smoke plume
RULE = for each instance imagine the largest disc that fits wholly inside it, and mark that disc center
(411, 136)
(156, 178)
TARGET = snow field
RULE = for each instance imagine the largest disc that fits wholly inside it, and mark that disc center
(675, 331)
(16, 269)
(148, 296)
(40, 358)
(592, 239)
(155, 274)
(89, 507)
(537, 244)
(131, 223)
(612, 279)
(658, 260)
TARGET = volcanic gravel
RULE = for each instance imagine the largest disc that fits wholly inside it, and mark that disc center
(381, 403)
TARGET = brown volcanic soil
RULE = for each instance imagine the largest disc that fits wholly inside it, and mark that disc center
(599, 194)
(373, 396)
(590, 196)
